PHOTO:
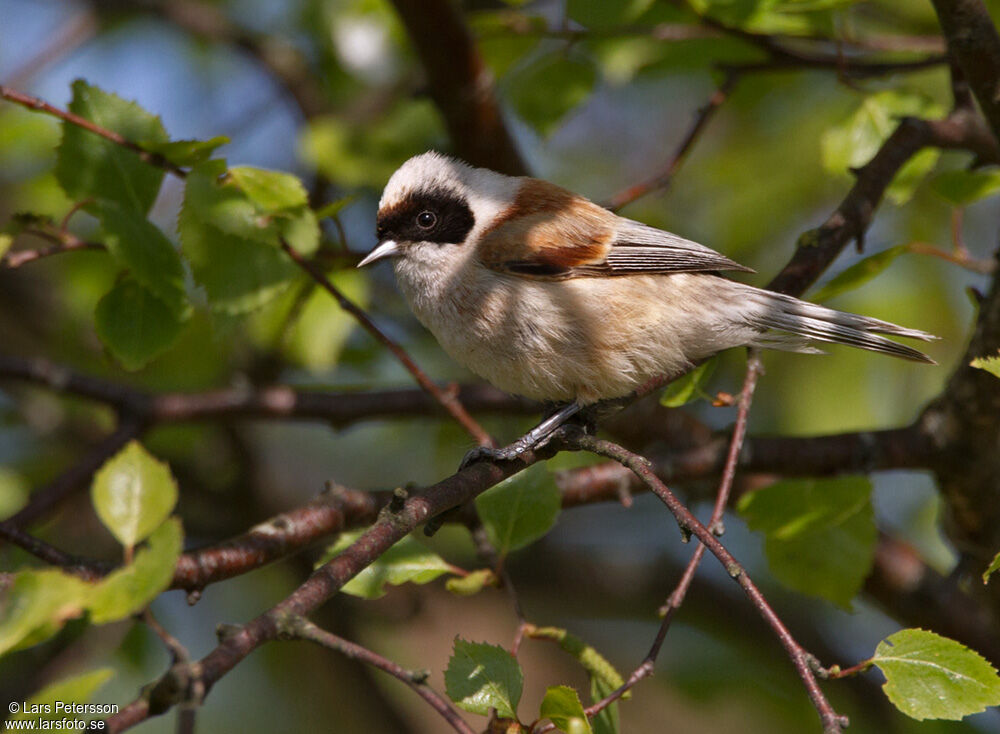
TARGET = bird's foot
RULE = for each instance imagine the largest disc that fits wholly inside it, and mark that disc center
(487, 453)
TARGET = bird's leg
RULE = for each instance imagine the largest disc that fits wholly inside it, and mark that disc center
(533, 439)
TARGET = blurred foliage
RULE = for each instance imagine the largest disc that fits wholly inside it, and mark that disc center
(193, 292)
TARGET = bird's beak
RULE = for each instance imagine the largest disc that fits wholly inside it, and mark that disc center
(389, 248)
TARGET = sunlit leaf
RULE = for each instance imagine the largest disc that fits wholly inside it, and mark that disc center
(586, 655)
(992, 568)
(853, 142)
(89, 166)
(472, 583)
(690, 386)
(933, 677)
(819, 534)
(520, 509)
(130, 588)
(185, 152)
(323, 326)
(482, 676)
(133, 493)
(232, 258)
(562, 707)
(215, 199)
(270, 190)
(989, 364)
(49, 704)
(37, 604)
(14, 492)
(408, 561)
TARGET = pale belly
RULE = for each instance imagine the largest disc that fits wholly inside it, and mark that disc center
(584, 339)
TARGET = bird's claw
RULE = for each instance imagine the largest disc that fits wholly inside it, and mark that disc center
(486, 453)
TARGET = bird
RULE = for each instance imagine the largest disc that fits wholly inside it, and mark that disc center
(547, 295)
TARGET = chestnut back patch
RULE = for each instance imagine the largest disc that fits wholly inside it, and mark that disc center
(427, 216)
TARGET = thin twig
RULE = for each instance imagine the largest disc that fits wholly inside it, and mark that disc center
(803, 662)
(302, 629)
(754, 367)
(447, 399)
(17, 258)
(178, 653)
(646, 667)
(49, 553)
(662, 179)
(39, 105)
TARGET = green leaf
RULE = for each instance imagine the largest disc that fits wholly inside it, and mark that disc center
(961, 188)
(334, 208)
(89, 166)
(14, 492)
(213, 197)
(472, 583)
(270, 190)
(185, 152)
(933, 677)
(300, 229)
(150, 257)
(607, 720)
(134, 324)
(690, 386)
(859, 273)
(606, 13)
(6, 241)
(130, 588)
(354, 155)
(991, 569)
(820, 535)
(855, 141)
(36, 606)
(544, 92)
(520, 509)
(406, 561)
(482, 676)
(586, 655)
(990, 364)
(323, 327)
(133, 493)
(562, 707)
(239, 273)
(500, 48)
(45, 705)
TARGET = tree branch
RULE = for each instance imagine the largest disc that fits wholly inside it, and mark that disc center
(460, 84)
(302, 629)
(974, 44)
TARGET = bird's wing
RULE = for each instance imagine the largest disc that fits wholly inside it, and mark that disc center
(551, 233)
(639, 248)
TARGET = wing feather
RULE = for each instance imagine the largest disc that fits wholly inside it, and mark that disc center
(553, 234)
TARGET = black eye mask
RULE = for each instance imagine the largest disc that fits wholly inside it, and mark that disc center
(453, 219)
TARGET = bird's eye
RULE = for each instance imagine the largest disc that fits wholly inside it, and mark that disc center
(426, 219)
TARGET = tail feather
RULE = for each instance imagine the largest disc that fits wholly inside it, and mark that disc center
(812, 322)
